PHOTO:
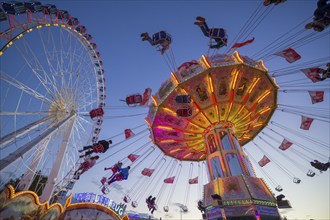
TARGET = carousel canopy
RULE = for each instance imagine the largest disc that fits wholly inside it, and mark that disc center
(230, 91)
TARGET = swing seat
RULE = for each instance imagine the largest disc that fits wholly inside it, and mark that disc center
(105, 190)
(103, 180)
(310, 173)
(279, 188)
(296, 180)
(161, 36)
(218, 33)
(134, 204)
(127, 199)
(185, 208)
(166, 209)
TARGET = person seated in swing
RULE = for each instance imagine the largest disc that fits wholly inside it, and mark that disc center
(161, 38)
(99, 147)
(121, 175)
(280, 197)
(86, 165)
(115, 169)
(217, 34)
(321, 16)
(148, 201)
(324, 73)
(276, 2)
(320, 166)
(322, 12)
(200, 206)
(152, 204)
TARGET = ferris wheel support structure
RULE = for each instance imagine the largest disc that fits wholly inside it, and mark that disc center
(16, 134)
(27, 178)
(19, 153)
(49, 187)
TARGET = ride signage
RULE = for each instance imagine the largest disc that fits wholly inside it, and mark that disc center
(100, 199)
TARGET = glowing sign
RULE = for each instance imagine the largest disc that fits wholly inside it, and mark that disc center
(100, 199)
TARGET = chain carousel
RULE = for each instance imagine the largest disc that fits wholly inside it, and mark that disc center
(208, 110)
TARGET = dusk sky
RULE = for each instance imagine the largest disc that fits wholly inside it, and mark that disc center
(132, 65)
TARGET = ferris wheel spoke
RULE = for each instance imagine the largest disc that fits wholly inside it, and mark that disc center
(35, 65)
(19, 85)
(84, 120)
(83, 106)
(54, 71)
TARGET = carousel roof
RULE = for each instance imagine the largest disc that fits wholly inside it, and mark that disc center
(228, 90)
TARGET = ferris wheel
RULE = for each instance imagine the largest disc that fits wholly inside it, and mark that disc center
(51, 78)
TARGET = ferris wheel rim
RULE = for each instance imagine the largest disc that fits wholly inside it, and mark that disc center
(89, 50)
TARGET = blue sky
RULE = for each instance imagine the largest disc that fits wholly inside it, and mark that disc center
(132, 65)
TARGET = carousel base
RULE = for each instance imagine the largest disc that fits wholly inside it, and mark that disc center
(239, 198)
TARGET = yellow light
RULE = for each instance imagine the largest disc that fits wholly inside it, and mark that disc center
(245, 117)
(166, 141)
(175, 150)
(196, 125)
(187, 155)
(163, 127)
(176, 81)
(238, 113)
(206, 62)
(55, 24)
(62, 25)
(245, 136)
(253, 85)
(264, 110)
(261, 62)
(234, 80)
(154, 100)
(263, 96)
(238, 56)
(243, 125)
(19, 36)
(39, 26)
(258, 124)
(1, 53)
(169, 110)
(229, 110)
(47, 25)
(218, 113)
(210, 82)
